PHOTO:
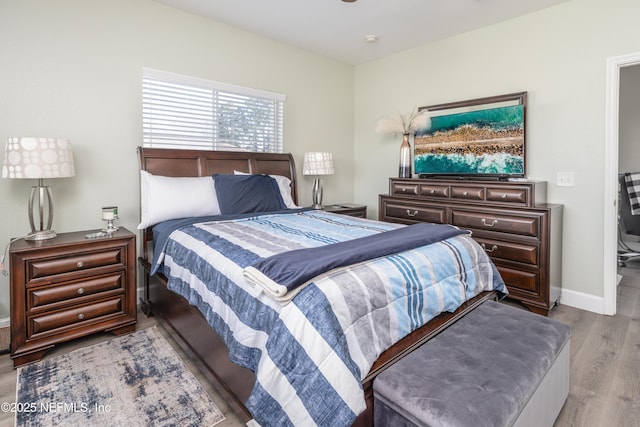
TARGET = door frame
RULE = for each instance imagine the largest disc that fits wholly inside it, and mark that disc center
(611, 141)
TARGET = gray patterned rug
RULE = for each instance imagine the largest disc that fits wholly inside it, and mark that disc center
(133, 380)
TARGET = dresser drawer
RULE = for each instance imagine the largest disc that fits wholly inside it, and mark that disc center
(518, 196)
(40, 268)
(67, 292)
(405, 188)
(76, 316)
(467, 193)
(519, 279)
(528, 254)
(414, 213)
(523, 225)
(435, 190)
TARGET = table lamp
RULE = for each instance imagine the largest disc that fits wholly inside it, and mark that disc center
(317, 163)
(38, 158)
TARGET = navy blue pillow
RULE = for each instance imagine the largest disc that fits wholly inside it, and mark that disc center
(247, 193)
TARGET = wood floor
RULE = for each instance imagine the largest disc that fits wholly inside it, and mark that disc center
(605, 364)
(605, 361)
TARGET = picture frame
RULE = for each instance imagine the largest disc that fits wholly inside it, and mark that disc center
(483, 137)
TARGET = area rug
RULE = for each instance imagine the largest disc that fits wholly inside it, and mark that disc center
(132, 380)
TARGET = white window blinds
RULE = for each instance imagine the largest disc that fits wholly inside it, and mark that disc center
(187, 112)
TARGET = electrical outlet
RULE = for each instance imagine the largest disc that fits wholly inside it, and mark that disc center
(566, 179)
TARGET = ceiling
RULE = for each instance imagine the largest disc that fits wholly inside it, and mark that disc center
(337, 29)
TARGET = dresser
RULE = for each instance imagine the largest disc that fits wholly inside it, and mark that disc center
(510, 219)
(68, 287)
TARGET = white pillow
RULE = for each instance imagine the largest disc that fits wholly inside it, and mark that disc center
(284, 184)
(163, 198)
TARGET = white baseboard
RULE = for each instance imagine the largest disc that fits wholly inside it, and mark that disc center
(582, 301)
(5, 321)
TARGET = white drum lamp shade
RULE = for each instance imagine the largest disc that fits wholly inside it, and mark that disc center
(317, 163)
(38, 158)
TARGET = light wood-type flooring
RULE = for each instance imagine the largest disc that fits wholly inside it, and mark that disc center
(605, 363)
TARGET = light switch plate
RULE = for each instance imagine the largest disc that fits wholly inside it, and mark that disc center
(566, 179)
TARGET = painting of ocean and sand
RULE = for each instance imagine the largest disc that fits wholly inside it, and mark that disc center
(483, 142)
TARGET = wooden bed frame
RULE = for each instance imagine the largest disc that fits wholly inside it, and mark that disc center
(187, 325)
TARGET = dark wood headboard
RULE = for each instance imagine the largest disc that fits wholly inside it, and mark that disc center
(176, 162)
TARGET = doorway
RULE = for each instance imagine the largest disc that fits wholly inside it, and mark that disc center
(612, 117)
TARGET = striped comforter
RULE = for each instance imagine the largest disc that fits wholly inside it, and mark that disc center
(310, 355)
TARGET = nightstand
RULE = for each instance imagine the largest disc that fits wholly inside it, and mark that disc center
(68, 287)
(351, 209)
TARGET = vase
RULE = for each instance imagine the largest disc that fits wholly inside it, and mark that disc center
(404, 171)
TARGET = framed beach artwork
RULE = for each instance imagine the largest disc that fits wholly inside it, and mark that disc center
(483, 137)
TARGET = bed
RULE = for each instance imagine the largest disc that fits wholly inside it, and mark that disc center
(332, 386)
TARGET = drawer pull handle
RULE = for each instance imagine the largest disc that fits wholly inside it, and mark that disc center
(493, 222)
(404, 189)
(79, 264)
(504, 195)
(412, 214)
(80, 316)
(80, 291)
(433, 191)
(464, 193)
(493, 248)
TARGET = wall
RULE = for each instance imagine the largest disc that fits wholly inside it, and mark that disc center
(72, 69)
(629, 130)
(559, 56)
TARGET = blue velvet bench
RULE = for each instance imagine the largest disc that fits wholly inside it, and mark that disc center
(497, 366)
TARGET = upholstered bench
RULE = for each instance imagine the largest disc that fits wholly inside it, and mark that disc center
(497, 366)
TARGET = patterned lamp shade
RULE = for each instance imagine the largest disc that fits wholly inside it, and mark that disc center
(38, 158)
(26, 157)
(318, 163)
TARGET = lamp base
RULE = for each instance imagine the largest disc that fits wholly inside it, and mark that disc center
(41, 191)
(317, 193)
(110, 228)
(41, 235)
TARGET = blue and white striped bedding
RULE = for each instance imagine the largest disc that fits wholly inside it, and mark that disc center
(310, 355)
(285, 274)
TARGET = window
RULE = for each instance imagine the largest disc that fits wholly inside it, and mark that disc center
(186, 112)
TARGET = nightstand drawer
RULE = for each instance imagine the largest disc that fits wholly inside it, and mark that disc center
(38, 269)
(52, 322)
(67, 292)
